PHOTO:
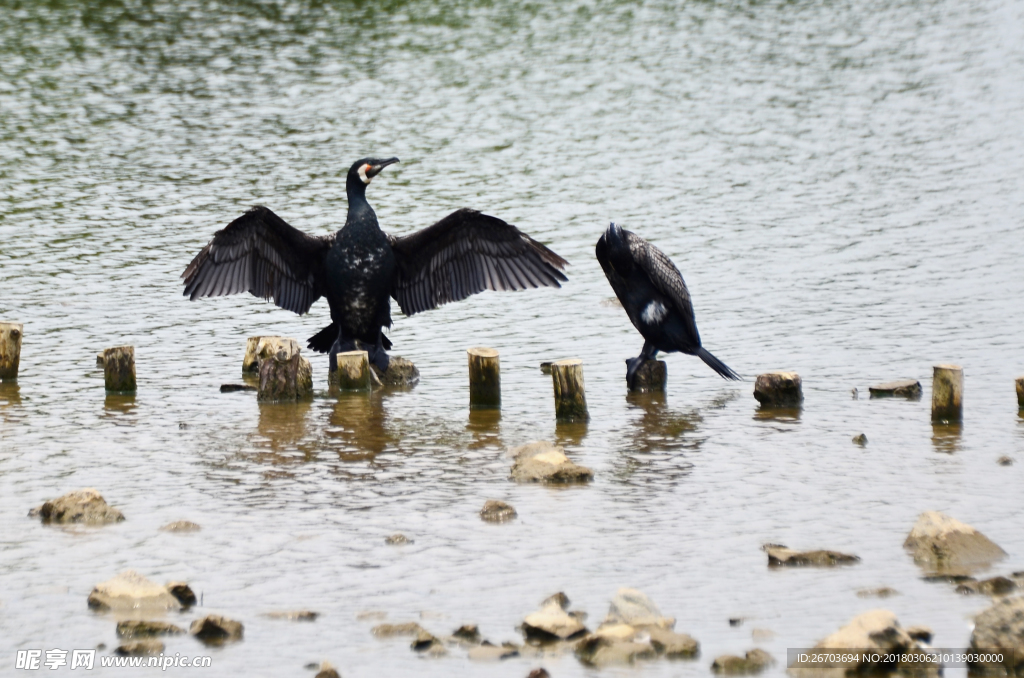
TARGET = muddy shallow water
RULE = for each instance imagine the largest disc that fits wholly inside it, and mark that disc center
(841, 184)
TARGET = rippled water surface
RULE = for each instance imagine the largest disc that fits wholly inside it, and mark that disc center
(841, 183)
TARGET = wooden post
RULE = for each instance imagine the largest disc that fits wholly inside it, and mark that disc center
(10, 350)
(652, 376)
(570, 395)
(119, 368)
(947, 393)
(284, 374)
(1020, 393)
(353, 373)
(779, 389)
(251, 361)
(484, 379)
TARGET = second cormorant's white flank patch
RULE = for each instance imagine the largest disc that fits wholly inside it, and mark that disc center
(654, 312)
(362, 174)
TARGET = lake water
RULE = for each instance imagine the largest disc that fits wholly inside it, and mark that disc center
(841, 184)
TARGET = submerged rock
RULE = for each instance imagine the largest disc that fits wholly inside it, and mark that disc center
(140, 648)
(1005, 461)
(81, 506)
(996, 586)
(327, 671)
(147, 629)
(182, 592)
(129, 590)
(236, 388)
(860, 439)
(779, 389)
(633, 607)
(755, 661)
(401, 372)
(397, 539)
(780, 556)
(673, 645)
(469, 633)
(921, 633)
(495, 511)
(394, 630)
(181, 526)
(946, 544)
(489, 652)
(1000, 626)
(883, 592)
(215, 630)
(539, 673)
(427, 643)
(294, 615)
(545, 462)
(904, 388)
(877, 631)
(552, 621)
(604, 650)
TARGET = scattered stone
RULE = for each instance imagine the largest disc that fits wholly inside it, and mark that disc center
(552, 622)
(673, 645)
(762, 635)
(544, 462)
(883, 592)
(602, 650)
(469, 633)
(401, 372)
(147, 629)
(182, 592)
(905, 388)
(996, 586)
(755, 661)
(81, 506)
(921, 633)
(495, 511)
(735, 621)
(129, 590)
(393, 630)
(632, 607)
(545, 368)
(215, 630)
(488, 652)
(327, 671)
(236, 388)
(539, 673)
(946, 544)
(140, 648)
(1000, 626)
(181, 526)
(860, 439)
(877, 630)
(397, 539)
(1005, 461)
(779, 389)
(427, 643)
(780, 556)
(294, 615)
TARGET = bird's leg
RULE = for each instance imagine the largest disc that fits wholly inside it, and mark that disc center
(633, 365)
(340, 345)
(379, 357)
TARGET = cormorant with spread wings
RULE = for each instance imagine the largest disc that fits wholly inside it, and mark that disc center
(358, 268)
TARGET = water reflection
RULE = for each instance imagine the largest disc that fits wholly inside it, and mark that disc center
(786, 415)
(10, 393)
(358, 426)
(660, 428)
(282, 426)
(570, 433)
(485, 425)
(117, 404)
(946, 437)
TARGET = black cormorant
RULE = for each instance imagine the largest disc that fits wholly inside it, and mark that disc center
(655, 297)
(360, 267)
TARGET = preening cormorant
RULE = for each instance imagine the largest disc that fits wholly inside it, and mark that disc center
(358, 268)
(655, 297)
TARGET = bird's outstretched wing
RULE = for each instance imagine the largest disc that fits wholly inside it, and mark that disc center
(465, 253)
(664, 275)
(260, 253)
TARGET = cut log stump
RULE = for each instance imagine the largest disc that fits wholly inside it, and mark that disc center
(905, 388)
(10, 350)
(779, 389)
(570, 394)
(285, 376)
(251, 361)
(353, 373)
(1020, 393)
(652, 376)
(119, 368)
(947, 393)
(484, 379)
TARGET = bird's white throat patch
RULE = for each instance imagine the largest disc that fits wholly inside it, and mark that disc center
(654, 312)
(362, 174)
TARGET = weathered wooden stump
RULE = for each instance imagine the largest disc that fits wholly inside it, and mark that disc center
(905, 388)
(251, 361)
(947, 393)
(652, 376)
(401, 373)
(484, 379)
(1020, 393)
(10, 350)
(353, 373)
(119, 368)
(285, 375)
(570, 394)
(779, 389)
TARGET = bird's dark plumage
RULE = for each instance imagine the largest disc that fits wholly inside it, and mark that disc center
(655, 297)
(360, 267)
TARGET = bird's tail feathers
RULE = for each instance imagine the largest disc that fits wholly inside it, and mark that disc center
(717, 365)
(322, 341)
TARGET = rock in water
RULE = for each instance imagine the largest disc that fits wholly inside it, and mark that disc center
(779, 389)
(216, 630)
(1000, 626)
(632, 607)
(129, 590)
(180, 526)
(495, 511)
(860, 439)
(945, 544)
(599, 650)
(147, 629)
(397, 539)
(294, 615)
(327, 671)
(490, 652)
(392, 630)
(905, 388)
(780, 556)
(552, 621)
(140, 648)
(401, 372)
(544, 462)
(673, 645)
(182, 592)
(755, 661)
(469, 633)
(996, 586)
(877, 632)
(81, 506)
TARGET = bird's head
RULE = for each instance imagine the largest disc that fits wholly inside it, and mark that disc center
(364, 170)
